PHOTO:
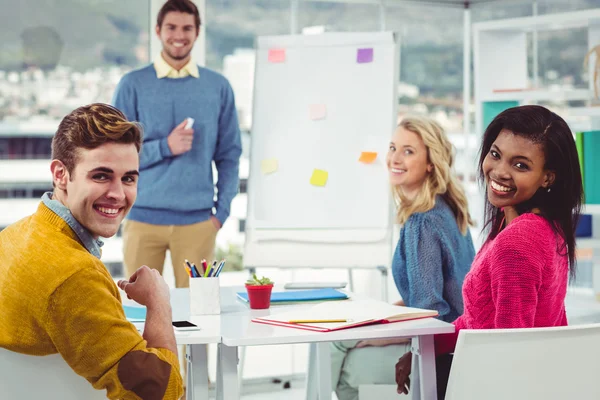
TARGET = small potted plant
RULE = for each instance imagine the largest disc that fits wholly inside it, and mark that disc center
(259, 292)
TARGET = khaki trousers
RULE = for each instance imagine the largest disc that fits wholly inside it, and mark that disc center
(147, 244)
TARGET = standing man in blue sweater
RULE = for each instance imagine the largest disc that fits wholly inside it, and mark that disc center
(176, 208)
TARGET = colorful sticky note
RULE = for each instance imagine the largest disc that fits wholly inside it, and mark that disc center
(269, 166)
(364, 56)
(367, 157)
(319, 177)
(317, 111)
(276, 55)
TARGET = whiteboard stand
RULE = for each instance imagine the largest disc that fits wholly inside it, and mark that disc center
(321, 103)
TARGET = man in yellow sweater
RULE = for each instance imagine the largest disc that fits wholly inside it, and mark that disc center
(58, 297)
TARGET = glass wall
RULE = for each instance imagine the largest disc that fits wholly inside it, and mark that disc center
(338, 17)
(54, 57)
(233, 25)
(57, 55)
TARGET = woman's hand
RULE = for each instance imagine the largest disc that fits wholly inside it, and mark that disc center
(403, 367)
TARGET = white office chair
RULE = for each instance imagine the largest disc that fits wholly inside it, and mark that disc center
(526, 364)
(48, 378)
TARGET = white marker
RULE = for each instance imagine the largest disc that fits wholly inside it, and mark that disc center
(190, 123)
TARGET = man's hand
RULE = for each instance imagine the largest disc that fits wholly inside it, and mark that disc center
(180, 139)
(403, 368)
(147, 287)
(215, 221)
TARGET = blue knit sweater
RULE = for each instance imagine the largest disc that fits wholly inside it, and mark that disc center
(179, 190)
(431, 260)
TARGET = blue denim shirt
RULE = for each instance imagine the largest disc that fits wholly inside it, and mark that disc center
(431, 260)
(92, 245)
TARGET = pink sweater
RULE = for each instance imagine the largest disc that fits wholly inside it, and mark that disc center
(517, 280)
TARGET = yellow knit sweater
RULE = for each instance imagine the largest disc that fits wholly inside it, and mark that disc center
(58, 298)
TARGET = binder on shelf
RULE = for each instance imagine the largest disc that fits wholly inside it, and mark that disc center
(301, 296)
(492, 108)
(327, 317)
(591, 164)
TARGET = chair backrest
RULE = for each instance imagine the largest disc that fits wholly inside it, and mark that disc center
(527, 364)
(48, 377)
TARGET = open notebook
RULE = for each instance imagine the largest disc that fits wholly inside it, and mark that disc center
(354, 312)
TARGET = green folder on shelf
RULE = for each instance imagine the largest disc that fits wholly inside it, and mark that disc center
(579, 145)
(591, 166)
(492, 108)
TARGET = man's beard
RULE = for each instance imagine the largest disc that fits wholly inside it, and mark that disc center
(178, 58)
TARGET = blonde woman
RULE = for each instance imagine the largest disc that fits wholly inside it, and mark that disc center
(433, 254)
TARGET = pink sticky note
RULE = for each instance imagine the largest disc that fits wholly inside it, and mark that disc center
(364, 56)
(317, 111)
(276, 55)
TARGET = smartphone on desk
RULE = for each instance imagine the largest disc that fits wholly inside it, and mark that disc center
(182, 326)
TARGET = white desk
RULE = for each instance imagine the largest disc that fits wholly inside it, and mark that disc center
(196, 341)
(237, 329)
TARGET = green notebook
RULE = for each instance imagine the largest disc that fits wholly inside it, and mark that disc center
(591, 166)
(492, 108)
(579, 145)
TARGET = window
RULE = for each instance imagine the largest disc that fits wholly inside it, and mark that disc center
(242, 225)
(230, 36)
(243, 185)
(24, 147)
(338, 17)
(56, 56)
(24, 192)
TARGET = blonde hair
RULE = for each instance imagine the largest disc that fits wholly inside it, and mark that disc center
(441, 180)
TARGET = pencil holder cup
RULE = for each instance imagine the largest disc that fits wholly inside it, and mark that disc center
(259, 296)
(205, 296)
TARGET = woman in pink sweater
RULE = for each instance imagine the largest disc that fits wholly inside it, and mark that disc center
(519, 278)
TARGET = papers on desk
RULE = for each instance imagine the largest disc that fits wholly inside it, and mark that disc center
(347, 314)
(300, 296)
(135, 314)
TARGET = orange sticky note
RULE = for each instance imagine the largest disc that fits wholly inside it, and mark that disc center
(319, 177)
(269, 166)
(317, 111)
(367, 157)
(276, 55)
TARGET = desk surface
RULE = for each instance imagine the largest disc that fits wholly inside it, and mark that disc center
(210, 326)
(237, 329)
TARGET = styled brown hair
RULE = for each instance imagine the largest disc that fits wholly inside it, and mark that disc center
(184, 6)
(90, 127)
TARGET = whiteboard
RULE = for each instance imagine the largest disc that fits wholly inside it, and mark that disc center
(317, 107)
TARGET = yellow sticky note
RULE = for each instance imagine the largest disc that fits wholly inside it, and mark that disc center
(319, 177)
(317, 111)
(367, 157)
(269, 166)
